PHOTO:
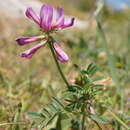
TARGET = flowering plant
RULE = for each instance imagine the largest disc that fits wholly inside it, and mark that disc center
(48, 24)
(80, 98)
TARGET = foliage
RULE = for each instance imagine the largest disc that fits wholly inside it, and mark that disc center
(77, 100)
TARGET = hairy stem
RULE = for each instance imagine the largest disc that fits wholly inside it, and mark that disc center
(100, 128)
(57, 63)
(83, 122)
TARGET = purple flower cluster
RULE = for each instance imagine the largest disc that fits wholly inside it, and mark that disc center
(46, 20)
(47, 23)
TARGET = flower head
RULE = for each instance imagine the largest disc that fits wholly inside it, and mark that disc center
(46, 20)
(48, 24)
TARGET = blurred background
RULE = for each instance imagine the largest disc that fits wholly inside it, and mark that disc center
(32, 82)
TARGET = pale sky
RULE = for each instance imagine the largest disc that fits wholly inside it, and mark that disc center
(118, 4)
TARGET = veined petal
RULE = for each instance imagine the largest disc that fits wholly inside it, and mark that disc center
(59, 19)
(25, 40)
(30, 52)
(69, 23)
(60, 22)
(61, 55)
(59, 13)
(32, 15)
(46, 16)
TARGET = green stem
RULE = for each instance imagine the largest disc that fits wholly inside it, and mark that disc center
(83, 122)
(111, 64)
(110, 59)
(119, 120)
(97, 124)
(57, 64)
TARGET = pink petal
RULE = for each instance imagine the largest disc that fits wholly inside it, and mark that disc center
(59, 13)
(32, 15)
(59, 19)
(68, 23)
(46, 15)
(25, 40)
(30, 52)
(61, 55)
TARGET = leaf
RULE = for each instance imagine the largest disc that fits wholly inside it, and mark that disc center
(77, 67)
(45, 112)
(91, 69)
(97, 86)
(34, 115)
(84, 72)
(57, 103)
(47, 121)
(89, 66)
(68, 94)
(99, 119)
(52, 108)
(36, 123)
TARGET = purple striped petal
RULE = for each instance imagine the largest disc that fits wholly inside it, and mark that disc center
(59, 19)
(32, 15)
(61, 55)
(25, 40)
(59, 13)
(46, 16)
(69, 23)
(30, 52)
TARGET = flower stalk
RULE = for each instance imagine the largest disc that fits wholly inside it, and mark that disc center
(83, 121)
(50, 41)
